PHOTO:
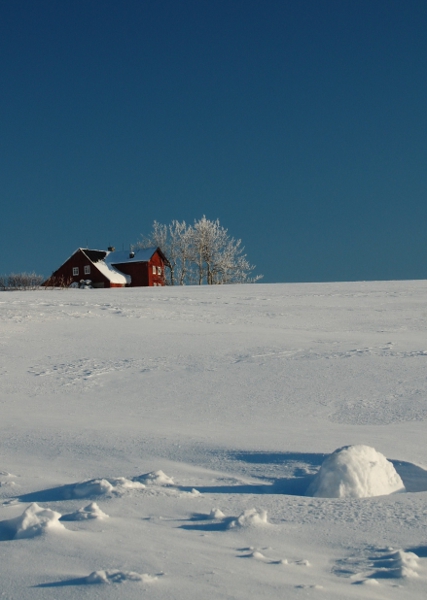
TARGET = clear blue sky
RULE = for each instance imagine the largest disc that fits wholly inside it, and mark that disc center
(300, 124)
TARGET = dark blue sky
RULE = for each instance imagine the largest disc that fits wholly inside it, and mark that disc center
(301, 125)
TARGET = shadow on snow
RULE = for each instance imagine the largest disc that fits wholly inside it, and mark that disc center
(68, 582)
(297, 470)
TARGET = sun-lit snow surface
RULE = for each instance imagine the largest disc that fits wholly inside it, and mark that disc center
(355, 472)
(162, 442)
(33, 521)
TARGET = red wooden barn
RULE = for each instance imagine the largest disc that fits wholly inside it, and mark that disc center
(108, 268)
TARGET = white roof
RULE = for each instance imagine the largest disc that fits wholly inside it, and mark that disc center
(111, 273)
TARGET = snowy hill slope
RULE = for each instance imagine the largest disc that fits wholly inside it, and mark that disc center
(162, 441)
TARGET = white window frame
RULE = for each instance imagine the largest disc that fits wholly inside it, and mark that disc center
(87, 269)
(75, 271)
(154, 270)
(159, 270)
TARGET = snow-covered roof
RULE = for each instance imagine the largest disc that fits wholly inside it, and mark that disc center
(126, 256)
(111, 273)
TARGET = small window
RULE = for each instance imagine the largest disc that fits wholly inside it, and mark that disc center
(154, 269)
(75, 271)
(87, 269)
(159, 270)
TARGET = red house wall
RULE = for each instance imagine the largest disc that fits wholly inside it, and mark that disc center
(142, 272)
(64, 275)
(137, 271)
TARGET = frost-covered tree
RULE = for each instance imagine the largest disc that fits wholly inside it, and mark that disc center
(203, 253)
(21, 281)
(175, 242)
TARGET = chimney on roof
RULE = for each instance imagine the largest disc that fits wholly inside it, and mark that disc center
(110, 248)
(131, 254)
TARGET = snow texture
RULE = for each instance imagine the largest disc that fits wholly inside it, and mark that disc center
(154, 478)
(197, 418)
(116, 576)
(34, 521)
(251, 517)
(91, 511)
(355, 472)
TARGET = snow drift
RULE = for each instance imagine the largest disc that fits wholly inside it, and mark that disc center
(34, 521)
(116, 576)
(91, 511)
(251, 517)
(355, 472)
(154, 478)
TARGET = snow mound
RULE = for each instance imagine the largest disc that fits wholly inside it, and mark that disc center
(93, 487)
(91, 511)
(115, 576)
(121, 485)
(257, 555)
(402, 564)
(34, 521)
(216, 513)
(249, 518)
(355, 472)
(154, 478)
(101, 487)
(382, 564)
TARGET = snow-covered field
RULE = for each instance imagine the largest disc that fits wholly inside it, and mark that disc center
(160, 442)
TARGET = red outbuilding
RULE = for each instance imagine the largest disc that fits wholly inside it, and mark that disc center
(108, 268)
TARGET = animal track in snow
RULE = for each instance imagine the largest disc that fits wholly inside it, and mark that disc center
(86, 369)
(304, 354)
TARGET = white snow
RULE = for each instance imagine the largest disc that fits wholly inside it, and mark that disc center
(91, 511)
(116, 576)
(251, 517)
(86, 489)
(155, 478)
(216, 513)
(34, 521)
(197, 418)
(113, 274)
(355, 472)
